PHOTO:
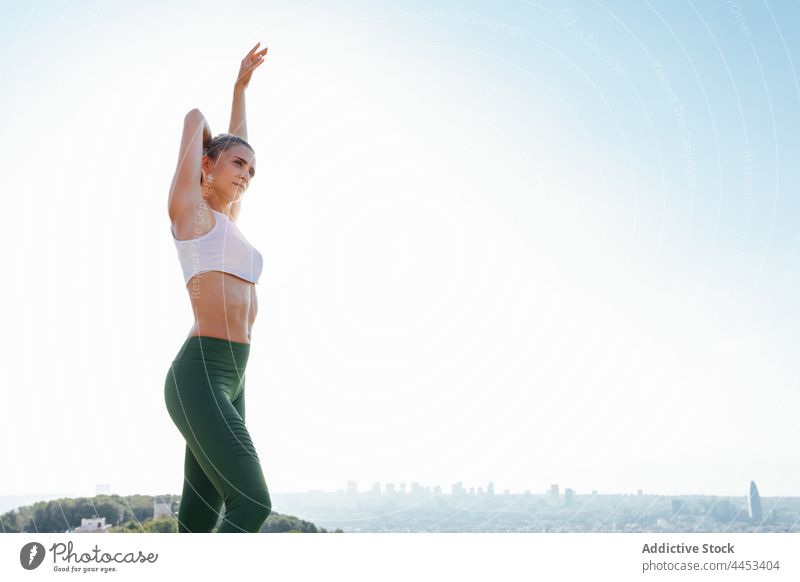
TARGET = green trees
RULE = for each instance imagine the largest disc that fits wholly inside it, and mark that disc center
(277, 523)
(130, 514)
(149, 525)
(64, 514)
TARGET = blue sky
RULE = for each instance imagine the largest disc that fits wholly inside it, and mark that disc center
(558, 240)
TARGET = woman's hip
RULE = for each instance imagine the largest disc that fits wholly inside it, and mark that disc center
(204, 370)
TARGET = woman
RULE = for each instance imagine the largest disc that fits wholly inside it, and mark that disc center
(204, 388)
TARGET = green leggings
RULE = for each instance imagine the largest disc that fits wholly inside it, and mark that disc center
(204, 393)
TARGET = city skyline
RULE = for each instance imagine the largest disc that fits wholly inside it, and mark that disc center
(456, 488)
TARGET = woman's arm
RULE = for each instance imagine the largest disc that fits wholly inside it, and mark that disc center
(184, 192)
(238, 124)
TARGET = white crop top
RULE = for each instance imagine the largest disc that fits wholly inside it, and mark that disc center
(223, 248)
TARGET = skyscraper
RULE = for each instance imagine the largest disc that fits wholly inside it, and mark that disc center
(754, 504)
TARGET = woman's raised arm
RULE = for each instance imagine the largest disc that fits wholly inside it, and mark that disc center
(238, 124)
(184, 192)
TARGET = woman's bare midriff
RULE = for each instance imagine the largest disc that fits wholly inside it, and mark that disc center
(224, 306)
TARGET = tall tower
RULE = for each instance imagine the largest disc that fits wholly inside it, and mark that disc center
(754, 504)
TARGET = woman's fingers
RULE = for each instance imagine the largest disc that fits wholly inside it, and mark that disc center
(259, 56)
(255, 60)
(252, 51)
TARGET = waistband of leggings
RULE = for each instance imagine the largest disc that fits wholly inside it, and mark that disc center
(214, 349)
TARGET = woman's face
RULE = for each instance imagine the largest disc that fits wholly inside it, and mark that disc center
(232, 172)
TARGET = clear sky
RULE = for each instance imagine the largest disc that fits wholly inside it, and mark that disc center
(520, 242)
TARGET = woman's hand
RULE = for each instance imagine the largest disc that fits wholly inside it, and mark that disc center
(249, 64)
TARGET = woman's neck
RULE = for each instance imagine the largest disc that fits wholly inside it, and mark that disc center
(215, 204)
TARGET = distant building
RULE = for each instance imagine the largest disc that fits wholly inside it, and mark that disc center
(554, 492)
(458, 488)
(390, 488)
(352, 487)
(754, 504)
(639, 492)
(92, 525)
(437, 489)
(402, 487)
(415, 488)
(490, 488)
(161, 510)
(569, 497)
(376, 487)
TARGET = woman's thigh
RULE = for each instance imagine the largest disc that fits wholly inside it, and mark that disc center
(198, 400)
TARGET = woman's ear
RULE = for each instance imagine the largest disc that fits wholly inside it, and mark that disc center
(205, 170)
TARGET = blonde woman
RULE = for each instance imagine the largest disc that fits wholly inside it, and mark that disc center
(205, 386)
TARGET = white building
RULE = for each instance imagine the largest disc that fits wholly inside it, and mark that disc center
(92, 525)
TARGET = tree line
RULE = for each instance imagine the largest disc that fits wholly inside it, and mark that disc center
(128, 514)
